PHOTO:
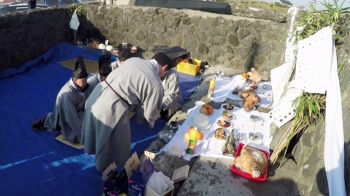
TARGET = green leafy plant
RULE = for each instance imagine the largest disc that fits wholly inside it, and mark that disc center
(310, 107)
(314, 20)
(80, 10)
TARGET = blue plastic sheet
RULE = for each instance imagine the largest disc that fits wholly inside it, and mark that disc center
(34, 163)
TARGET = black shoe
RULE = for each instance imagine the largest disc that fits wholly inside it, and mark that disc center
(38, 125)
(164, 115)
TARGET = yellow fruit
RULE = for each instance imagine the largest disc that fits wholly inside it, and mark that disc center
(194, 133)
(200, 135)
(187, 137)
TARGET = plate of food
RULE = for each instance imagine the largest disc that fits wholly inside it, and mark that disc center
(228, 106)
(200, 121)
(222, 123)
(206, 109)
(221, 134)
(226, 115)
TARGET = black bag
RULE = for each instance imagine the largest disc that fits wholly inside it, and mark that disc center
(174, 52)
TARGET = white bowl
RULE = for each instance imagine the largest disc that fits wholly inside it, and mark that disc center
(101, 46)
(109, 48)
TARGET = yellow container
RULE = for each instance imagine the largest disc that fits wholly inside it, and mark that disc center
(188, 68)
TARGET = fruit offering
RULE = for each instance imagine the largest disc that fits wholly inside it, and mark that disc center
(223, 123)
(220, 134)
(254, 76)
(206, 109)
(193, 131)
(245, 75)
(249, 99)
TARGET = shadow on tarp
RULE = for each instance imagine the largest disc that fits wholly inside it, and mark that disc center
(34, 163)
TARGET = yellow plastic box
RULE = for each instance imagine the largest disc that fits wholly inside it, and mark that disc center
(188, 68)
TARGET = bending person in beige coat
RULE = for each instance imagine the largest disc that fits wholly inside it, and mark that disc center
(172, 94)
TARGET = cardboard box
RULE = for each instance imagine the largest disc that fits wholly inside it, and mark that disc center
(136, 177)
(115, 180)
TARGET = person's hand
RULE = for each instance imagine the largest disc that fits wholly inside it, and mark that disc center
(158, 116)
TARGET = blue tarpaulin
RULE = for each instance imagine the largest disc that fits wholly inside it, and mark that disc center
(34, 163)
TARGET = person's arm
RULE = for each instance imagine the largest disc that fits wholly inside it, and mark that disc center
(172, 91)
(152, 105)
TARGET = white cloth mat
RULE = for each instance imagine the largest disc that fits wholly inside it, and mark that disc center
(222, 88)
(209, 146)
(225, 86)
(264, 94)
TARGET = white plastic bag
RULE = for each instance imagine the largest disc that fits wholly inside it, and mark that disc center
(159, 182)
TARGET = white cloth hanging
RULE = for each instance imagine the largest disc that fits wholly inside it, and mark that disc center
(334, 133)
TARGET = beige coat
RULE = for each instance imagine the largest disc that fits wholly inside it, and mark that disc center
(172, 94)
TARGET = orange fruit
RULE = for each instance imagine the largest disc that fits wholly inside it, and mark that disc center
(210, 111)
(204, 110)
(246, 76)
(207, 106)
(200, 135)
(187, 137)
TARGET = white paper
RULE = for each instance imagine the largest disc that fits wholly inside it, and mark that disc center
(281, 75)
(334, 132)
(284, 111)
(279, 80)
(290, 43)
(74, 21)
(314, 61)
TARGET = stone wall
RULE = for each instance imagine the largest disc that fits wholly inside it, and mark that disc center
(221, 40)
(28, 34)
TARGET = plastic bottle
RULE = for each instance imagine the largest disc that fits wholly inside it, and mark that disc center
(211, 88)
(193, 141)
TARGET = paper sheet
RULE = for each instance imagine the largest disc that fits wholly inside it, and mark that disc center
(314, 61)
(77, 146)
(212, 147)
(284, 111)
(74, 21)
(281, 75)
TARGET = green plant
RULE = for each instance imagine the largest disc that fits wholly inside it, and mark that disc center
(80, 10)
(314, 20)
(310, 107)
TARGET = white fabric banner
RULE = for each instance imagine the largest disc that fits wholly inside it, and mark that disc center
(334, 133)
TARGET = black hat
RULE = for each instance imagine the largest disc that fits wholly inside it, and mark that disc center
(79, 71)
(104, 65)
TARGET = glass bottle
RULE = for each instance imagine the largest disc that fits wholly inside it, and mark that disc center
(193, 141)
(211, 88)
